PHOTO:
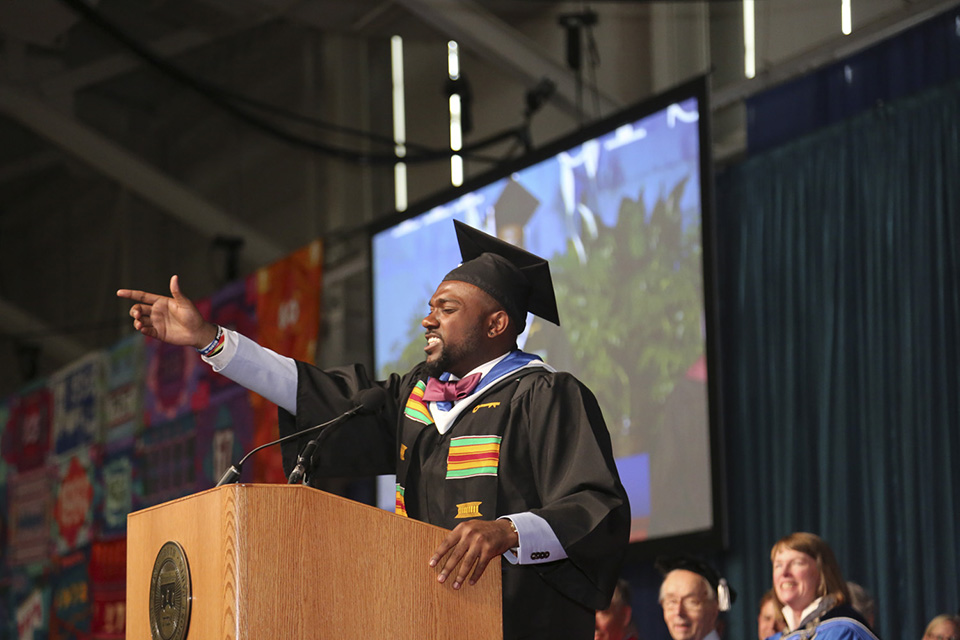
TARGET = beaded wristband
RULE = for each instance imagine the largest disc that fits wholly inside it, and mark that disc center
(212, 347)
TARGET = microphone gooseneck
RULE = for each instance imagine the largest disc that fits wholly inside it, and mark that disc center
(306, 456)
(365, 401)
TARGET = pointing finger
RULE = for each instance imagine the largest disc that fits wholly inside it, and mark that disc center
(139, 296)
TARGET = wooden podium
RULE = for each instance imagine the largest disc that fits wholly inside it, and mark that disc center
(284, 562)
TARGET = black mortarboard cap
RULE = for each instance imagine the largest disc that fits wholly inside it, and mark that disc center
(725, 593)
(515, 205)
(515, 278)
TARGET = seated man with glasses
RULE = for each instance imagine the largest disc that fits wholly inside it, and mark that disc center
(692, 596)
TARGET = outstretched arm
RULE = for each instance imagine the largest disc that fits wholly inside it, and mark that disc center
(170, 319)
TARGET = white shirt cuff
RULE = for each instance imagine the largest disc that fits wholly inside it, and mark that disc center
(258, 369)
(538, 542)
(225, 355)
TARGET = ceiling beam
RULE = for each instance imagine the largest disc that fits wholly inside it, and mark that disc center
(138, 176)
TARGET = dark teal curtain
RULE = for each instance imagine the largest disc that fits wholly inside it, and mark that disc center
(840, 314)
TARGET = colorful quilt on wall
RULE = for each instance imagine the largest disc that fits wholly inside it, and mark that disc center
(127, 428)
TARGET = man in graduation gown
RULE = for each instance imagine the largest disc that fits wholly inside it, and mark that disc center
(485, 440)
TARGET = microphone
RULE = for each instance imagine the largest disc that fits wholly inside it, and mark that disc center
(365, 401)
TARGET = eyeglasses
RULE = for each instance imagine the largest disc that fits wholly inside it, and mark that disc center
(691, 603)
(937, 636)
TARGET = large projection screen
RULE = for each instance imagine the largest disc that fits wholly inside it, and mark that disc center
(619, 211)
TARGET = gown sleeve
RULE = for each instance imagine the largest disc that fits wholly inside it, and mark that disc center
(581, 495)
(363, 445)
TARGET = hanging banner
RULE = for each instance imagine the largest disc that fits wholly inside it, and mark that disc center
(32, 615)
(30, 504)
(116, 480)
(224, 434)
(26, 438)
(123, 399)
(77, 390)
(288, 314)
(74, 500)
(108, 562)
(165, 462)
(177, 381)
(108, 568)
(70, 607)
(288, 306)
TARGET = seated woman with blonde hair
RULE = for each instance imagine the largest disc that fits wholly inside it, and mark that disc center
(810, 586)
(943, 627)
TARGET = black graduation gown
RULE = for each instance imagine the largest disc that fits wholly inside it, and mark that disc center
(555, 460)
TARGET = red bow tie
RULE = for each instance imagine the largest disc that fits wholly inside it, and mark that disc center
(439, 391)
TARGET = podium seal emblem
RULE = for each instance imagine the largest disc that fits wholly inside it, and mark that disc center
(170, 594)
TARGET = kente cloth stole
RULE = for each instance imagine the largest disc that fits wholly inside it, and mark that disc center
(416, 408)
(469, 456)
